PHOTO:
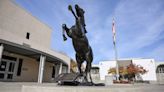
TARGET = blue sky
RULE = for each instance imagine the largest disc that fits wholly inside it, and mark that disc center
(139, 26)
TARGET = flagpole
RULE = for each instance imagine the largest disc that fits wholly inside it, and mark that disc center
(115, 50)
(116, 59)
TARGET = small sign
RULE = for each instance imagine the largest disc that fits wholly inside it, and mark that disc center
(25, 69)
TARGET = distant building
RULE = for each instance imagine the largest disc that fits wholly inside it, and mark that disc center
(160, 72)
(148, 64)
(25, 53)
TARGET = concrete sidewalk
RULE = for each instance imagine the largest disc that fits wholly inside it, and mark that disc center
(17, 86)
(52, 87)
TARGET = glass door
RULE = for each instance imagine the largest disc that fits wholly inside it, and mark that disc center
(3, 66)
(7, 68)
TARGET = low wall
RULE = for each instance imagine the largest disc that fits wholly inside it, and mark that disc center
(114, 88)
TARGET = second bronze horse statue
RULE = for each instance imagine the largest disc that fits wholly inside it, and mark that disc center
(80, 43)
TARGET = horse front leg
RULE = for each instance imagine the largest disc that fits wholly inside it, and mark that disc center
(70, 9)
(63, 31)
(68, 32)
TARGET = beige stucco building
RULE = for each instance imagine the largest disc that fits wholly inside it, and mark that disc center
(25, 53)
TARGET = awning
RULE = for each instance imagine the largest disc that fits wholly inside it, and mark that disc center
(26, 50)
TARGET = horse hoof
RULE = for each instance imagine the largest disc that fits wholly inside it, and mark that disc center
(70, 7)
(64, 26)
(65, 39)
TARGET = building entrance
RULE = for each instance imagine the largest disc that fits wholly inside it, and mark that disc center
(7, 68)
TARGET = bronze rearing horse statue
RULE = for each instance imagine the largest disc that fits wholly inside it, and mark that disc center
(80, 43)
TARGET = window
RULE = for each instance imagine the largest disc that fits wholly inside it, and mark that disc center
(53, 72)
(2, 75)
(9, 76)
(28, 35)
(9, 58)
(19, 67)
(11, 67)
(3, 66)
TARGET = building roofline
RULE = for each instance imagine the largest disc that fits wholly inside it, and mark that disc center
(127, 59)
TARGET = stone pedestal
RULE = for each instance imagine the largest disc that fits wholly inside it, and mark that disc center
(108, 80)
